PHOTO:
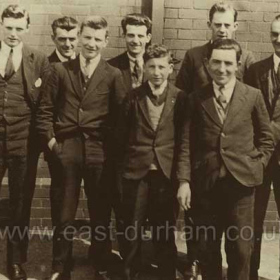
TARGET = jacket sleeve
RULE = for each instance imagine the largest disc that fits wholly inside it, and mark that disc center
(263, 133)
(46, 109)
(184, 80)
(183, 170)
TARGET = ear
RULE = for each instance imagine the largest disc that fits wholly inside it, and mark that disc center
(235, 26)
(149, 37)
(53, 37)
(171, 68)
(209, 24)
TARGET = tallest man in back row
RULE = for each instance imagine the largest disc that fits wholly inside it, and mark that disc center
(193, 73)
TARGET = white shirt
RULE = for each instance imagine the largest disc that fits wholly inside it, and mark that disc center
(276, 61)
(227, 90)
(4, 54)
(158, 91)
(62, 58)
(91, 65)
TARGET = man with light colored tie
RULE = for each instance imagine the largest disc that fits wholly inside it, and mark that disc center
(76, 117)
(23, 73)
(224, 151)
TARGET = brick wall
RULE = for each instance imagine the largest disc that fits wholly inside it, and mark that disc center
(184, 26)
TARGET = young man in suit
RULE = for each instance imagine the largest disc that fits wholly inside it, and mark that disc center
(76, 118)
(150, 125)
(137, 34)
(23, 72)
(193, 73)
(265, 75)
(229, 141)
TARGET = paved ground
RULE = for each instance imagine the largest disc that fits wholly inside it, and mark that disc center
(38, 266)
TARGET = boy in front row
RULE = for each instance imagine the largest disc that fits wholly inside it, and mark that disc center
(150, 124)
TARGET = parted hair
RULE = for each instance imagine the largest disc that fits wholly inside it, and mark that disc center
(222, 7)
(136, 19)
(226, 44)
(95, 22)
(67, 23)
(15, 11)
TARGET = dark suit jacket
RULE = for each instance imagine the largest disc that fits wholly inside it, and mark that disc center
(140, 142)
(35, 73)
(53, 58)
(259, 76)
(244, 142)
(122, 62)
(66, 109)
(193, 73)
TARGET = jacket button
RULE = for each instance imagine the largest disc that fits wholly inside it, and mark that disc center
(81, 110)
(223, 135)
(222, 150)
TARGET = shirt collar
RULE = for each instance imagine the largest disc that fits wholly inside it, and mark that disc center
(16, 50)
(133, 59)
(158, 91)
(228, 89)
(92, 61)
(62, 58)
(276, 61)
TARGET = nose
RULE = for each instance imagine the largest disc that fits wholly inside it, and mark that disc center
(222, 68)
(13, 32)
(278, 38)
(156, 71)
(67, 43)
(136, 39)
(91, 43)
(223, 28)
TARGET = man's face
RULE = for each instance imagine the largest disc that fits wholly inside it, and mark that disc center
(223, 25)
(14, 30)
(222, 66)
(136, 38)
(92, 41)
(275, 36)
(66, 41)
(157, 70)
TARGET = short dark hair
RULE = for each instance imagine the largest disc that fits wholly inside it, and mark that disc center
(15, 11)
(226, 44)
(67, 23)
(95, 22)
(157, 51)
(222, 8)
(136, 19)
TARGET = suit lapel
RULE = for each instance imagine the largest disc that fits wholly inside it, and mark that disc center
(28, 69)
(239, 97)
(205, 54)
(125, 69)
(141, 99)
(171, 95)
(98, 75)
(74, 71)
(208, 104)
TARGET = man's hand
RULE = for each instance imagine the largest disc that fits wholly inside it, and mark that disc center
(52, 143)
(184, 195)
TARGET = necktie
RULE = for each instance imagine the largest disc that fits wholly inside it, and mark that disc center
(222, 99)
(86, 70)
(9, 69)
(138, 71)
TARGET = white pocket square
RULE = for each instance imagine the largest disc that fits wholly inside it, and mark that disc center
(38, 82)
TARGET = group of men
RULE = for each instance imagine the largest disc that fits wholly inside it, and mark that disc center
(141, 144)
